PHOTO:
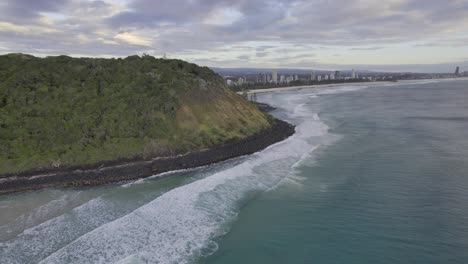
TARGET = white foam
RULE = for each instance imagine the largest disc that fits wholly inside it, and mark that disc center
(341, 89)
(38, 242)
(135, 182)
(34, 216)
(161, 175)
(180, 225)
(132, 259)
(45, 205)
(305, 156)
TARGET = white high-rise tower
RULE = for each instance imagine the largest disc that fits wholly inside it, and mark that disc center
(274, 76)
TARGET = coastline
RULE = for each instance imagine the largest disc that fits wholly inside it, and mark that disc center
(295, 88)
(117, 171)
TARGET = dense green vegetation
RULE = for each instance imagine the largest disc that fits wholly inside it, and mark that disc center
(60, 111)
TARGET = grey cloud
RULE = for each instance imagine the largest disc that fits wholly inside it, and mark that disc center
(263, 48)
(364, 49)
(280, 28)
(243, 57)
(60, 43)
(425, 45)
(36, 5)
(147, 13)
(295, 57)
(357, 22)
(25, 10)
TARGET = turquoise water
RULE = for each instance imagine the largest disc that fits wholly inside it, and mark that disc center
(373, 175)
(393, 189)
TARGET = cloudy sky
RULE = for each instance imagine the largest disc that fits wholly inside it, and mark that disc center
(413, 35)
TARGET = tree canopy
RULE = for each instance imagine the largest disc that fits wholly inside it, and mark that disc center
(60, 111)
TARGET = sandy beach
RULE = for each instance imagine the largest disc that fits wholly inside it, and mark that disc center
(294, 88)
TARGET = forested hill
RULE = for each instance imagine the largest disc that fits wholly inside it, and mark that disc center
(61, 111)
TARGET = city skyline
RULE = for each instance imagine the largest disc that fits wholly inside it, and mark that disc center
(396, 35)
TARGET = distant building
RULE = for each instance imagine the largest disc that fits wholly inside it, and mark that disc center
(229, 82)
(260, 78)
(274, 76)
(296, 77)
(240, 81)
(319, 78)
(337, 75)
(353, 74)
(457, 71)
(313, 76)
(332, 76)
(282, 79)
(326, 77)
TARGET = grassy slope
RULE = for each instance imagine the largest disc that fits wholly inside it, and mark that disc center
(61, 111)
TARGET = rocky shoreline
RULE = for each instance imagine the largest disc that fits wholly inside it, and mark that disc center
(125, 170)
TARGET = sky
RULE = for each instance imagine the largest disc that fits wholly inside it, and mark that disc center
(387, 35)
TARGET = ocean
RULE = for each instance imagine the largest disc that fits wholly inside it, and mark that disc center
(376, 173)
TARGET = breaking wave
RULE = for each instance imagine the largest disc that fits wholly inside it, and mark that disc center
(182, 224)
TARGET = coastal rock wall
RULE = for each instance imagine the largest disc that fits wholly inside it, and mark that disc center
(115, 172)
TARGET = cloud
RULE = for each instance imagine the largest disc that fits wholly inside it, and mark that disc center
(223, 17)
(425, 45)
(21, 10)
(133, 39)
(10, 27)
(243, 57)
(263, 48)
(367, 48)
(256, 32)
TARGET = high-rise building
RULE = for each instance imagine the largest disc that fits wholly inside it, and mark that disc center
(274, 76)
(258, 79)
(282, 79)
(457, 71)
(319, 78)
(313, 76)
(337, 75)
(296, 77)
(353, 74)
(332, 76)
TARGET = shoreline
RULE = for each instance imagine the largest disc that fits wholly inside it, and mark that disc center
(296, 88)
(126, 170)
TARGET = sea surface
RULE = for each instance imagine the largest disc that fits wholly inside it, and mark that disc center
(376, 173)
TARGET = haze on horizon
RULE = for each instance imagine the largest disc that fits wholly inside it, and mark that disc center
(393, 35)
